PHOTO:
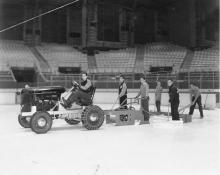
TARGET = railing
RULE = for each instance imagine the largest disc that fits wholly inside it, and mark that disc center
(208, 80)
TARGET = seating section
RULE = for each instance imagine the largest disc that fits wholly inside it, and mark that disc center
(122, 60)
(5, 76)
(205, 60)
(62, 55)
(15, 54)
(164, 54)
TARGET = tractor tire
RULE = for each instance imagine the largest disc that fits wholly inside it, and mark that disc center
(23, 122)
(72, 121)
(92, 117)
(41, 122)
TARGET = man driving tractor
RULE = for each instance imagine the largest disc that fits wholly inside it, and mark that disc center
(82, 94)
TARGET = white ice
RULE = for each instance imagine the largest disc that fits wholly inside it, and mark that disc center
(126, 150)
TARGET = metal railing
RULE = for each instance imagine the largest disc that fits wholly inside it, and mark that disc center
(205, 80)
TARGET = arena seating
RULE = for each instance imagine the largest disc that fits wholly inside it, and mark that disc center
(15, 54)
(164, 54)
(63, 56)
(205, 60)
(122, 60)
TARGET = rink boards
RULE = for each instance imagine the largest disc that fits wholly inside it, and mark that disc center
(8, 96)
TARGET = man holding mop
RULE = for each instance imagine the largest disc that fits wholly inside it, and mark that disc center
(195, 98)
(173, 100)
(144, 93)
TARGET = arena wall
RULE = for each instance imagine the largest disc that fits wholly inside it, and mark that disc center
(109, 97)
(103, 96)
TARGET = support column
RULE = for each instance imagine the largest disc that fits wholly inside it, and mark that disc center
(28, 29)
(84, 24)
(131, 30)
(192, 22)
(68, 25)
(155, 25)
(37, 26)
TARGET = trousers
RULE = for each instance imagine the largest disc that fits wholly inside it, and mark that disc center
(199, 102)
(78, 97)
(145, 108)
(123, 102)
(158, 105)
(174, 111)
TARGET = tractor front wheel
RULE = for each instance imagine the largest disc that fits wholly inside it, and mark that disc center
(41, 122)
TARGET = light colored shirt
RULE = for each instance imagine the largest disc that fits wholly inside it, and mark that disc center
(158, 92)
(144, 90)
(195, 92)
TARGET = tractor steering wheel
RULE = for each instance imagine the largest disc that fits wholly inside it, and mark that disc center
(75, 85)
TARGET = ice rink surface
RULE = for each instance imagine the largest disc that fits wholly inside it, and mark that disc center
(126, 150)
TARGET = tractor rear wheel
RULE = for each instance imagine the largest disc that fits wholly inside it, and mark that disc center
(92, 117)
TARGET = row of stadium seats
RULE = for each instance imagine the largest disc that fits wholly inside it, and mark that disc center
(205, 60)
(111, 70)
(15, 54)
(156, 54)
(164, 54)
(63, 56)
(116, 60)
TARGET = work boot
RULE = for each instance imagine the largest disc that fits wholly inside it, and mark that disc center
(144, 122)
(65, 103)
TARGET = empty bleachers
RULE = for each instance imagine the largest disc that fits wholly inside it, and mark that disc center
(15, 54)
(58, 55)
(122, 60)
(6, 76)
(164, 54)
(205, 60)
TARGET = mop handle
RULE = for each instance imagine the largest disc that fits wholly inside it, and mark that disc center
(114, 103)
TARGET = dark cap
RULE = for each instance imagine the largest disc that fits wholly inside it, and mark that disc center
(84, 73)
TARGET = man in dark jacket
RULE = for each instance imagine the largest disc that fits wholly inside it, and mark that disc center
(174, 100)
(82, 94)
(122, 92)
(26, 99)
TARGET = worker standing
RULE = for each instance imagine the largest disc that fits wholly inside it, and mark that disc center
(144, 93)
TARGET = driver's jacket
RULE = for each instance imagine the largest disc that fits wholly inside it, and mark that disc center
(86, 86)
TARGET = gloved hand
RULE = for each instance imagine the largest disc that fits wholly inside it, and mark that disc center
(74, 83)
